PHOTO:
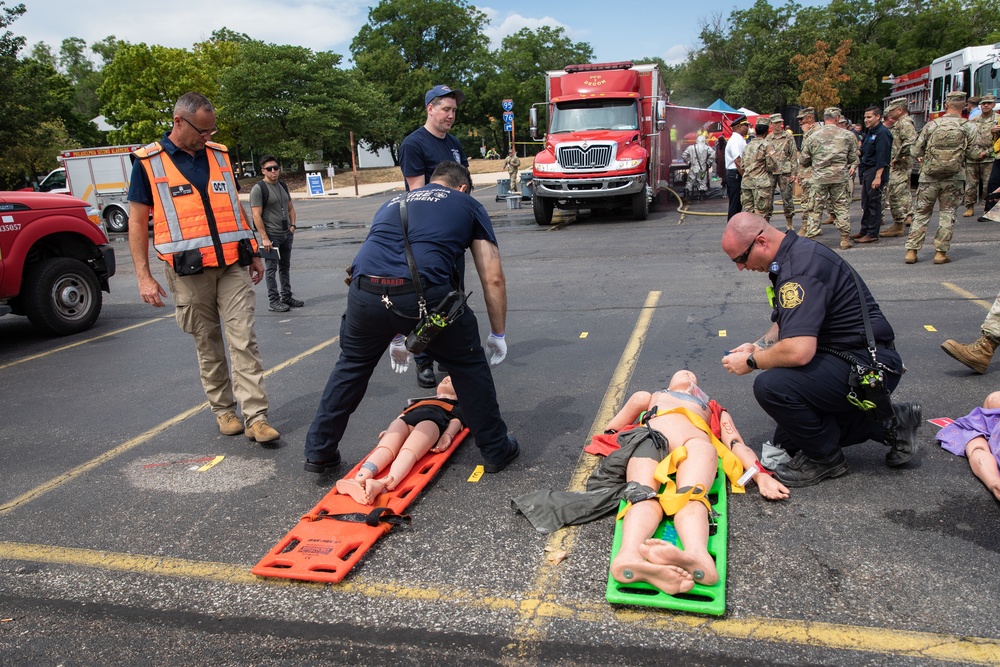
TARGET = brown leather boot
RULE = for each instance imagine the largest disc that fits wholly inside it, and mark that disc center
(909, 220)
(941, 257)
(969, 210)
(895, 230)
(911, 257)
(789, 224)
(845, 241)
(976, 355)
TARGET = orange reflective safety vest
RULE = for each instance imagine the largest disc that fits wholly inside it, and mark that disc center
(185, 219)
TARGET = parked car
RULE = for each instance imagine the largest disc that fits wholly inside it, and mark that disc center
(55, 260)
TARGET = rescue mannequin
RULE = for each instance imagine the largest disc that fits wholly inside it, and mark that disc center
(977, 437)
(420, 429)
(657, 562)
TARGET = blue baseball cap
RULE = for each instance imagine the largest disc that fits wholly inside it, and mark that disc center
(443, 91)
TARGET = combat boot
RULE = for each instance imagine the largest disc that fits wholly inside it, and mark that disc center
(789, 224)
(909, 220)
(911, 257)
(895, 230)
(845, 241)
(976, 355)
(969, 210)
(941, 257)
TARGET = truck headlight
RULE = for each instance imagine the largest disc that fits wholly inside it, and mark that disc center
(625, 164)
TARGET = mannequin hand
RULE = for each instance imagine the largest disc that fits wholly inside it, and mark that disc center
(399, 356)
(496, 348)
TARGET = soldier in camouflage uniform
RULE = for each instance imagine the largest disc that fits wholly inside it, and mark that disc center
(977, 171)
(757, 189)
(832, 152)
(785, 158)
(945, 144)
(900, 198)
(808, 125)
(511, 165)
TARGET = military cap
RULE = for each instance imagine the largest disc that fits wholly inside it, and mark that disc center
(808, 111)
(974, 100)
(956, 96)
(777, 118)
(831, 111)
(988, 99)
(762, 120)
(740, 120)
(898, 103)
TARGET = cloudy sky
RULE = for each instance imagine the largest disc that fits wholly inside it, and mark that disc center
(617, 30)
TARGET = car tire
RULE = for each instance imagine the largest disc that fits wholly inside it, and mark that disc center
(116, 220)
(61, 296)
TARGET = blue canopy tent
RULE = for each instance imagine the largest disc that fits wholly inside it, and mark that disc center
(719, 105)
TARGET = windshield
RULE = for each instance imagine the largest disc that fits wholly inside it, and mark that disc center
(594, 115)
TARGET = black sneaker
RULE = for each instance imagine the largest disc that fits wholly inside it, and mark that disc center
(322, 466)
(512, 454)
(903, 440)
(293, 302)
(804, 471)
(277, 307)
(426, 377)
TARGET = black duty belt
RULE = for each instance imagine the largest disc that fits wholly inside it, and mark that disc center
(383, 285)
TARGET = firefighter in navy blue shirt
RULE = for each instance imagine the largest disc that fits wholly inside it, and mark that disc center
(419, 155)
(443, 221)
(817, 327)
(876, 153)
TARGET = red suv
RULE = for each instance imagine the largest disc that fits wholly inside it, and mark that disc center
(54, 260)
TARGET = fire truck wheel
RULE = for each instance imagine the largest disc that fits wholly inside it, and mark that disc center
(640, 206)
(62, 296)
(116, 220)
(542, 207)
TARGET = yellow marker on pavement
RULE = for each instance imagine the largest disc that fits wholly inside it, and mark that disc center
(211, 463)
(477, 474)
(929, 327)
(722, 333)
(583, 335)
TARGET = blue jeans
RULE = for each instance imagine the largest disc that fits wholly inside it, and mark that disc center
(281, 267)
(366, 330)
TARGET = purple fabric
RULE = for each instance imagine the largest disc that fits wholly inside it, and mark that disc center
(980, 422)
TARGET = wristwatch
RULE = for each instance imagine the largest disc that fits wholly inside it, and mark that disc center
(751, 362)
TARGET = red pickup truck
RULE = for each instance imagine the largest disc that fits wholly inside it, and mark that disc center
(54, 260)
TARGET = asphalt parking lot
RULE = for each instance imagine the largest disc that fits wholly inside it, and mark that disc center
(115, 547)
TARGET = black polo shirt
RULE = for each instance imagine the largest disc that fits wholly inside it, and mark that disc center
(815, 295)
(876, 148)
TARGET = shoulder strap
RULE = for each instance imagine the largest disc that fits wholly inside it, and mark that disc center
(264, 194)
(410, 261)
(444, 405)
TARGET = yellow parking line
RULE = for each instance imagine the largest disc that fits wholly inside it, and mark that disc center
(962, 649)
(548, 575)
(58, 481)
(968, 295)
(83, 342)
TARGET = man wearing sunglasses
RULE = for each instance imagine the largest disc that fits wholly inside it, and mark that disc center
(207, 245)
(817, 327)
(274, 217)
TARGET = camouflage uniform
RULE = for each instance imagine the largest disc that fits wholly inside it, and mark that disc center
(805, 173)
(946, 190)
(511, 165)
(757, 189)
(784, 157)
(900, 197)
(977, 171)
(831, 152)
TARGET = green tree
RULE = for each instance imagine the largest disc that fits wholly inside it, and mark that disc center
(408, 46)
(141, 85)
(521, 62)
(290, 101)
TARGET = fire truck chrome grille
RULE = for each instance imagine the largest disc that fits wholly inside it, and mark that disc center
(592, 157)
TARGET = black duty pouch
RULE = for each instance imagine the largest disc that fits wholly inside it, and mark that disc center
(244, 251)
(868, 391)
(436, 321)
(188, 263)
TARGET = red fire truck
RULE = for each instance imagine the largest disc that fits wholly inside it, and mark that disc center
(607, 144)
(974, 69)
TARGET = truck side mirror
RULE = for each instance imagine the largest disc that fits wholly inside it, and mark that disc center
(533, 121)
(661, 115)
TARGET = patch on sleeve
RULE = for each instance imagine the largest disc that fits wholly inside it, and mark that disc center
(791, 295)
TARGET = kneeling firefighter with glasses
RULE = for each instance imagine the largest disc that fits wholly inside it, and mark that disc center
(403, 286)
(829, 359)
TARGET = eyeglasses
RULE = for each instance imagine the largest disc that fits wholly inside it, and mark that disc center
(271, 168)
(198, 129)
(742, 259)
